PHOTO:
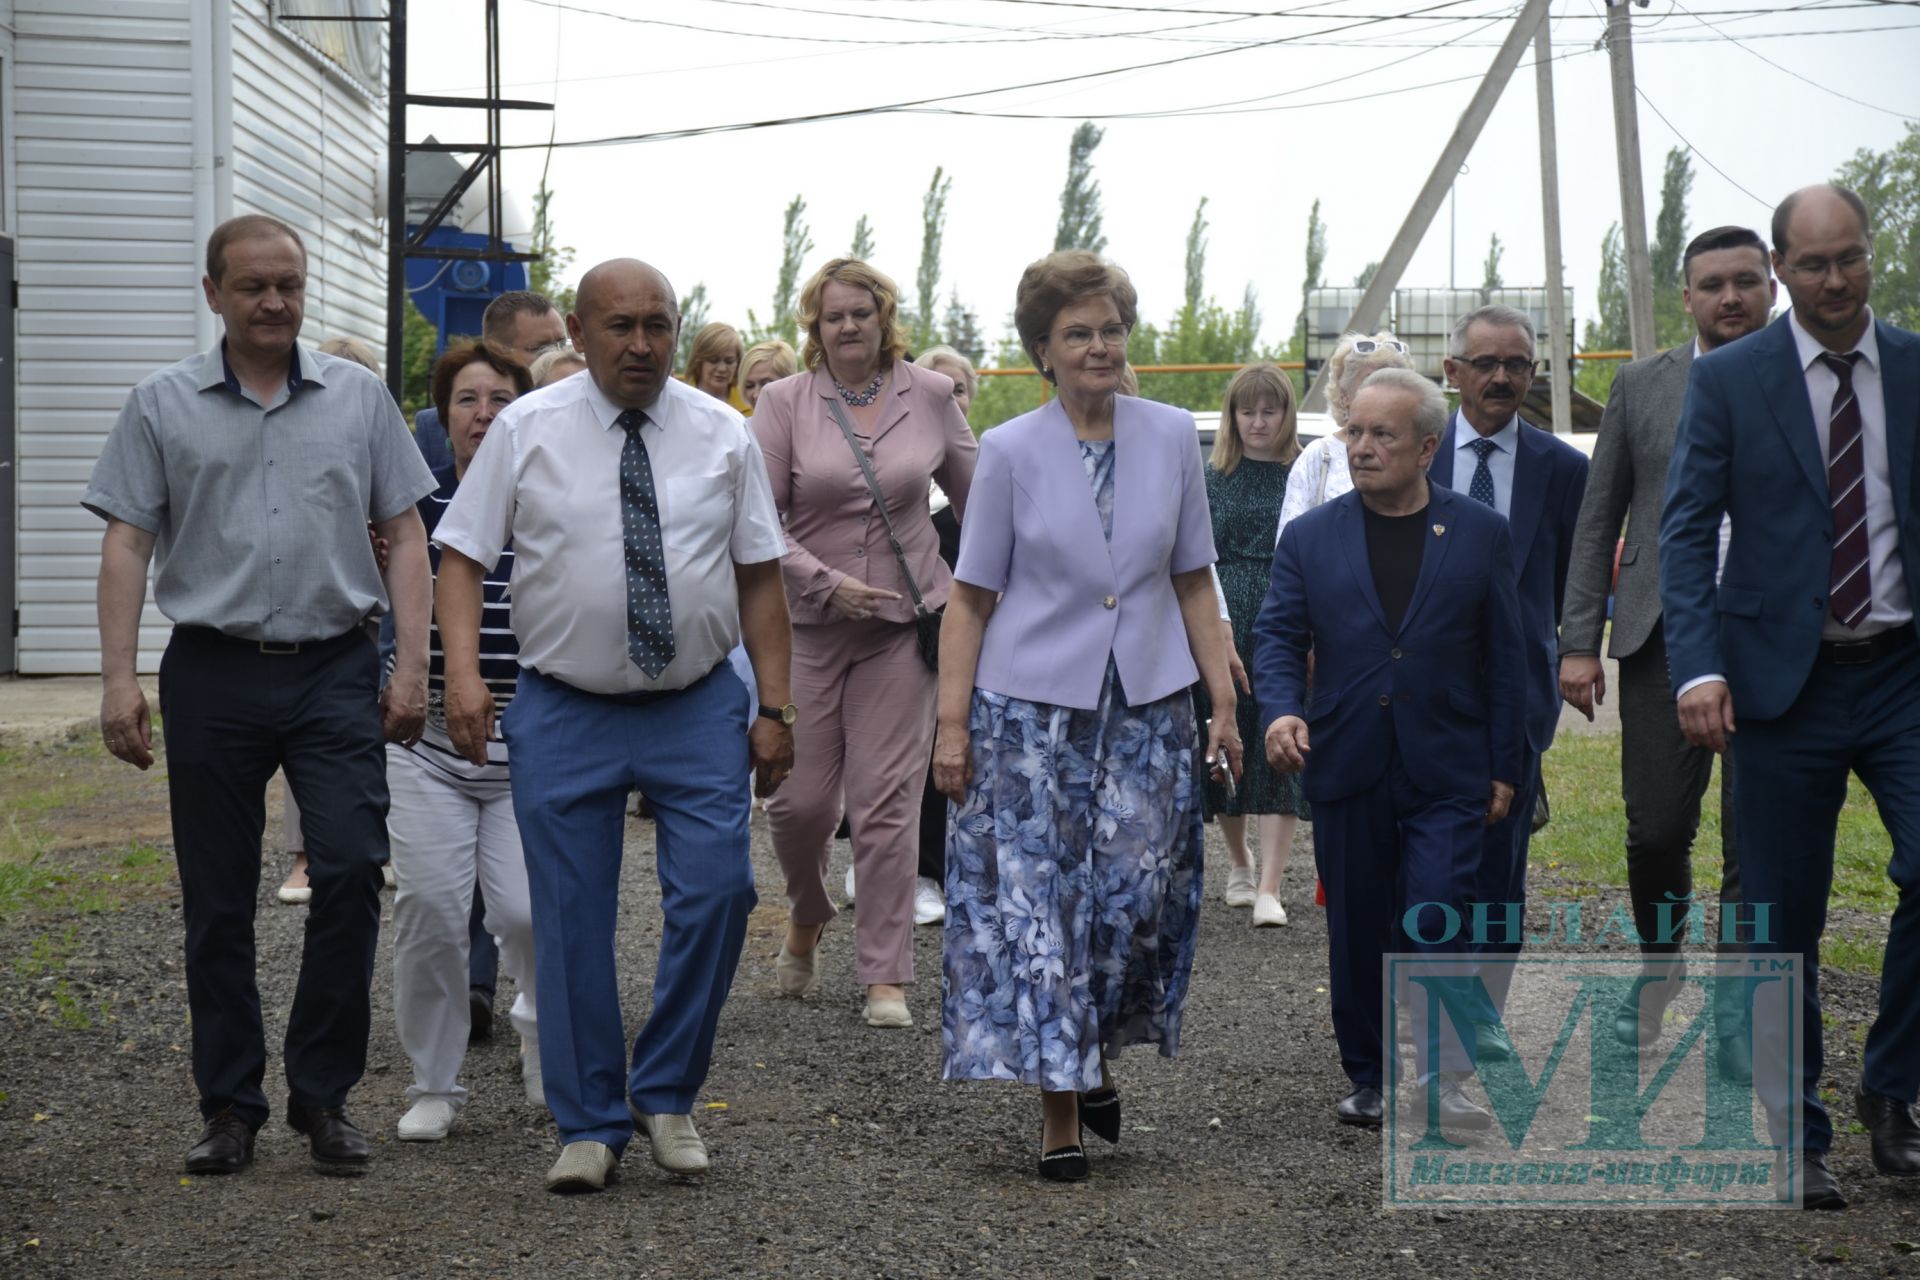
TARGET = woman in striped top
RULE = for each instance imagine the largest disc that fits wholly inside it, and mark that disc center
(451, 822)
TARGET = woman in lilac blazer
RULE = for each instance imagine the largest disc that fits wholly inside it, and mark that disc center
(1082, 613)
(865, 695)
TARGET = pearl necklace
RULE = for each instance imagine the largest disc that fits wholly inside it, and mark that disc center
(860, 399)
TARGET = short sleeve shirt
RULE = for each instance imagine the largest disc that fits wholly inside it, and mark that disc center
(259, 511)
(547, 479)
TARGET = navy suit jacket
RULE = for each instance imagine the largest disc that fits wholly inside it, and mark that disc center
(1444, 689)
(1746, 446)
(1549, 479)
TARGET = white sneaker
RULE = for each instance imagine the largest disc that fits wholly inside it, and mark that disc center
(1268, 913)
(676, 1144)
(1240, 886)
(428, 1120)
(929, 903)
(530, 1077)
(849, 886)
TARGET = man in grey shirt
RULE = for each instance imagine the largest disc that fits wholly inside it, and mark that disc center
(249, 475)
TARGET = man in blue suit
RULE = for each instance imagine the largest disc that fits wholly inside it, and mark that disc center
(1490, 455)
(1804, 433)
(1412, 734)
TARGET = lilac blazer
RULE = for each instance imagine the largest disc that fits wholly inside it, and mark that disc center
(1069, 598)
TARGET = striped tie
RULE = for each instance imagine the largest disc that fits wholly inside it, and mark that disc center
(1850, 596)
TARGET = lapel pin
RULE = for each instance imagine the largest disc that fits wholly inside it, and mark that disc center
(1439, 529)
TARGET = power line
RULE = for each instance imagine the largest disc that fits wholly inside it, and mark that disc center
(1642, 93)
(1845, 97)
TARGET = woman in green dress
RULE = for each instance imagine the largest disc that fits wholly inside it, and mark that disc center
(1253, 450)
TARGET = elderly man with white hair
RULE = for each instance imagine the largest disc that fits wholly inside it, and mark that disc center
(1410, 738)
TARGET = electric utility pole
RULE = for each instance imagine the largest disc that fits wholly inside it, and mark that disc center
(1633, 202)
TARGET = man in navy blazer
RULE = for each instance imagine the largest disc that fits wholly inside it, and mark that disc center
(1411, 733)
(1805, 433)
(1536, 480)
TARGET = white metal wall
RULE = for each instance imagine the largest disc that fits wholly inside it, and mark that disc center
(107, 117)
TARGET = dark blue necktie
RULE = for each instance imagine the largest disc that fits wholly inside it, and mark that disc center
(1481, 486)
(649, 614)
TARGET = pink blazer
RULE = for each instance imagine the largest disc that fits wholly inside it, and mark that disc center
(833, 530)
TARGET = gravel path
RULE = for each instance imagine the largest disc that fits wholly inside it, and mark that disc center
(837, 1150)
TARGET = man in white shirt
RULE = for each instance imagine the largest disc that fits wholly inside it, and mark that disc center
(623, 477)
(1805, 434)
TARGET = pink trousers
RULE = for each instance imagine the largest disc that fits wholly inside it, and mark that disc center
(863, 740)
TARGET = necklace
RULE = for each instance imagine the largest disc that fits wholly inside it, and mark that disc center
(859, 399)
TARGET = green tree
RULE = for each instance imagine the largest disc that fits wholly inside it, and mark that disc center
(1671, 323)
(1006, 397)
(545, 271)
(418, 341)
(862, 247)
(1889, 182)
(795, 245)
(1316, 263)
(1366, 275)
(1608, 330)
(1491, 276)
(960, 329)
(1197, 257)
(1079, 226)
(693, 313)
(933, 231)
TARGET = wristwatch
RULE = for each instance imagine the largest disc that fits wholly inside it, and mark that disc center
(785, 715)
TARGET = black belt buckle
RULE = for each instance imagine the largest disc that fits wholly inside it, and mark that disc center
(276, 647)
(1851, 653)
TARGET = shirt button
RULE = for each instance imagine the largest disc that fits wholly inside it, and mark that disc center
(1396, 655)
(276, 511)
(276, 559)
(1110, 603)
(1386, 699)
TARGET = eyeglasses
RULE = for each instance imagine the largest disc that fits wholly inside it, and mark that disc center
(1367, 346)
(1078, 338)
(1849, 265)
(1516, 366)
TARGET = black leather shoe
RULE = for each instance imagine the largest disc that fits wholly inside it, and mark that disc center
(1896, 1133)
(1064, 1164)
(1361, 1107)
(480, 1008)
(1817, 1186)
(336, 1145)
(1733, 1058)
(1457, 1110)
(1490, 1043)
(1637, 1019)
(1100, 1112)
(225, 1146)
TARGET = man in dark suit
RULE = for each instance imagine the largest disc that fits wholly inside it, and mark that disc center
(1729, 292)
(1804, 434)
(1489, 454)
(1405, 592)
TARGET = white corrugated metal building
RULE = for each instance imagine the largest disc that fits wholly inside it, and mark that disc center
(128, 130)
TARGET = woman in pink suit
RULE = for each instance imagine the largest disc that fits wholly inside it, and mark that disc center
(864, 692)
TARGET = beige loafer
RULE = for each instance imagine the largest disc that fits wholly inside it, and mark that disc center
(582, 1166)
(675, 1142)
(1268, 913)
(887, 1013)
(1240, 887)
(798, 975)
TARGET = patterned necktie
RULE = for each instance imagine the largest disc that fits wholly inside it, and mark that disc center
(1850, 589)
(1481, 486)
(649, 614)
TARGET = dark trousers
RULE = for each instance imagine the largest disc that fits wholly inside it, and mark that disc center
(1662, 778)
(483, 953)
(1501, 883)
(1862, 719)
(1389, 845)
(933, 833)
(232, 715)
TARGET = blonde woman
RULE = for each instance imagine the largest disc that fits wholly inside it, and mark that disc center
(1253, 452)
(1320, 473)
(765, 364)
(863, 741)
(554, 363)
(713, 363)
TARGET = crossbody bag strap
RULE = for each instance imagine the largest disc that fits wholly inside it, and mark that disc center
(873, 487)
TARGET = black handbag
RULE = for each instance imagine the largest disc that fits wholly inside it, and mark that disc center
(926, 622)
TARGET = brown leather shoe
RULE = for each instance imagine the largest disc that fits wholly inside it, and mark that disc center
(225, 1146)
(337, 1146)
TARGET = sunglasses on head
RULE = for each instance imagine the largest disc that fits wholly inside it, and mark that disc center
(1367, 346)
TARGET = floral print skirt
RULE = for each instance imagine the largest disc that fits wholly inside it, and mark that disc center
(1073, 887)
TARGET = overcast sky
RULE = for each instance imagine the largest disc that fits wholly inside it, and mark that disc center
(1761, 94)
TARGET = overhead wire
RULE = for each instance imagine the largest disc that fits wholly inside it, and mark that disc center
(1846, 97)
(1704, 158)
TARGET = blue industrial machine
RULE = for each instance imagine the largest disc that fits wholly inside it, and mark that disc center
(453, 293)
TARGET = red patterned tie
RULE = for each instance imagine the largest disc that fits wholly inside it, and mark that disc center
(1851, 594)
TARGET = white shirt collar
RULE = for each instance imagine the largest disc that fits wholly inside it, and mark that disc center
(1810, 349)
(1504, 439)
(607, 413)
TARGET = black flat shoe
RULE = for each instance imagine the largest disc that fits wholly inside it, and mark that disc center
(1362, 1107)
(225, 1146)
(1064, 1164)
(1100, 1112)
(1819, 1190)
(1895, 1130)
(336, 1144)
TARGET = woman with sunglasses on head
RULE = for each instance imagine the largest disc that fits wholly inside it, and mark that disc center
(1082, 614)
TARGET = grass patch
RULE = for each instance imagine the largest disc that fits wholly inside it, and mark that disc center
(1853, 952)
(59, 795)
